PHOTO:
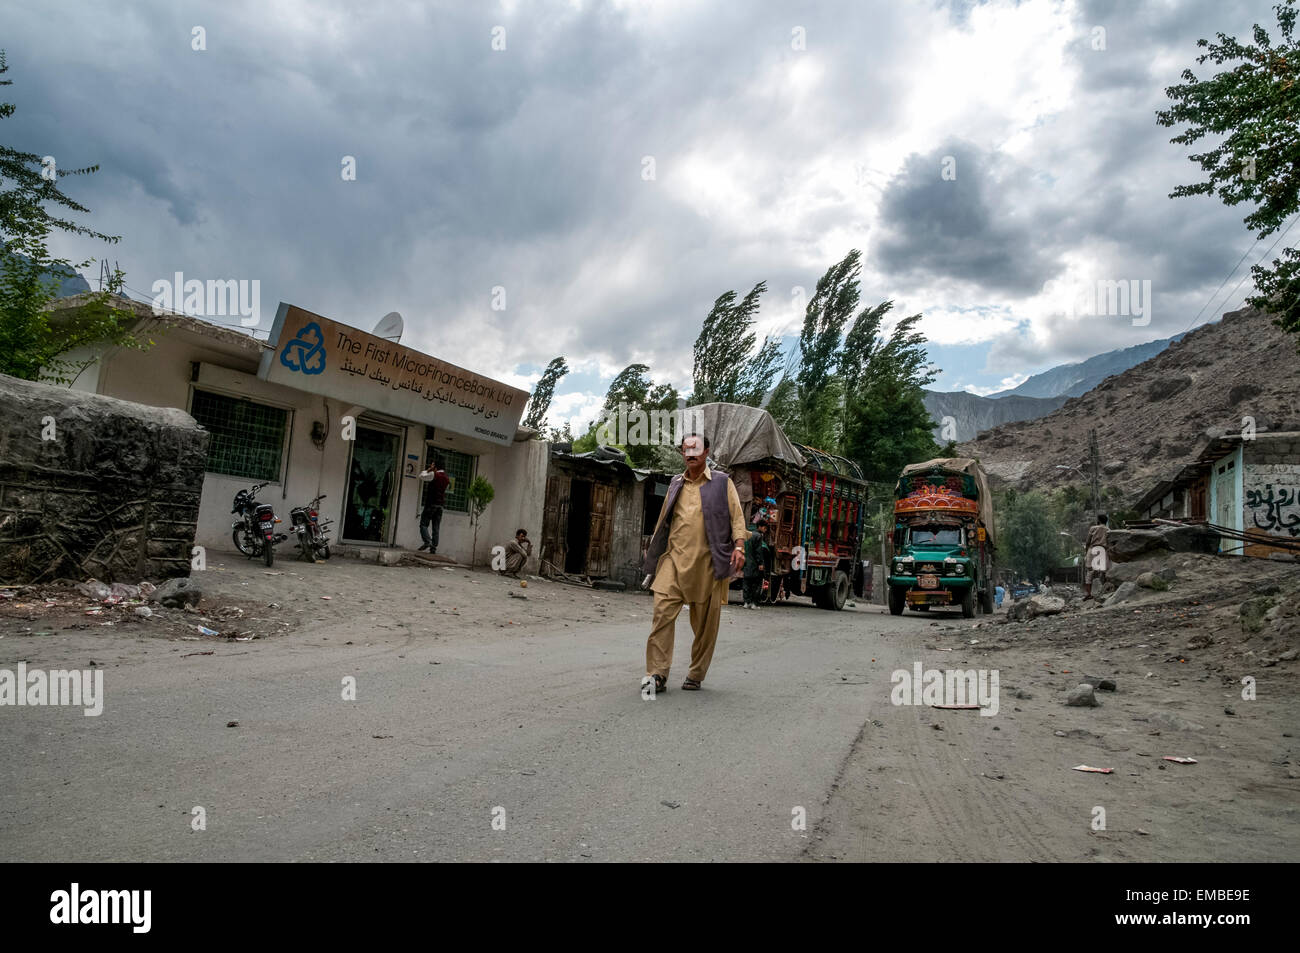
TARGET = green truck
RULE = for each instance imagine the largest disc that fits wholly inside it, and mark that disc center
(942, 544)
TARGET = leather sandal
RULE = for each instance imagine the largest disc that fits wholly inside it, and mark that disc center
(690, 685)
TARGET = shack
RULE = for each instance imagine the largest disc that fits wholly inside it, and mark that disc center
(594, 514)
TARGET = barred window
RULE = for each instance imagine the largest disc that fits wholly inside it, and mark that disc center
(247, 439)
(460, 467)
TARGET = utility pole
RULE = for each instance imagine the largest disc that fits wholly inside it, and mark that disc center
(1094, 461)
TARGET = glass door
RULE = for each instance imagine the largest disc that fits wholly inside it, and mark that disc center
(372, 485)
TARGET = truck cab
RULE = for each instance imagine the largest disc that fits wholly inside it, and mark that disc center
(933, 565)
(942, 552)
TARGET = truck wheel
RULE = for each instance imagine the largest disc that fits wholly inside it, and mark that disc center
(968, 603)
(837, 593)
(897, 596)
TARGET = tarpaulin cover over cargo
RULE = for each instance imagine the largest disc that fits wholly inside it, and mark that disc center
(739, 434)
(969, 469)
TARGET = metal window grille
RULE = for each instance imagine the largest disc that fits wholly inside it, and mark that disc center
(460, 467)
(247, 439)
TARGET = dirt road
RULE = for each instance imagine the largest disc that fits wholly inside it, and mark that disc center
(489, 727)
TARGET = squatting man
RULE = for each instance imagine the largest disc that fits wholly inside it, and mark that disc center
(698, 546)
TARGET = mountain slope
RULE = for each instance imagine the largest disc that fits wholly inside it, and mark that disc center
(1075, 380)
(1036, 397)
(1151, 418)
(973, 414)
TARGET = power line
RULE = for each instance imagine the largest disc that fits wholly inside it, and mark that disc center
(1265, 255)
(1243, 277)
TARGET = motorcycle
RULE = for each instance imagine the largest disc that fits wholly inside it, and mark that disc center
(254, 531)
(313, 535)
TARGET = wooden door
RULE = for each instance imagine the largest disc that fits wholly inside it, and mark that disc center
(555, 524)
(602, 529)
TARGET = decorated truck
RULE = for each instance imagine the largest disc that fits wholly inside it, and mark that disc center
(942, 544)
(817, 533)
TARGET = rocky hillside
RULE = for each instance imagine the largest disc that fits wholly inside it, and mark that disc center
(1153, 417)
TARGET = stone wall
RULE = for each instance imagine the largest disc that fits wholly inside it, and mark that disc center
(95, 486)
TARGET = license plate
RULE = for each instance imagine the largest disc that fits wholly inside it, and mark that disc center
(267, 524)
(929, 582)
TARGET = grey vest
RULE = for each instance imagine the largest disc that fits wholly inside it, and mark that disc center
(717, 524)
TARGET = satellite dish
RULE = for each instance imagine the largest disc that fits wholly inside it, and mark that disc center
(390, 327)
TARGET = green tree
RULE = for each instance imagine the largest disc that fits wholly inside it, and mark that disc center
(1028, 540)
(1255, 108)
(630, 392)
(31, 339)
(783, 405)
(885, 423)
(820, 386)
(479, 494)
(540, 402)
(727, 368)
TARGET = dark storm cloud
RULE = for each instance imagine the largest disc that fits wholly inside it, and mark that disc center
(965, 228)
(522, 168)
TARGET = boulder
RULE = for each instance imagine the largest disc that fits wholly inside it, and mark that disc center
(1188, 539)
(177, 593)
(1035, 606)
(1126, 545)
(1122, 594)
(95, 487)
(1082, 697)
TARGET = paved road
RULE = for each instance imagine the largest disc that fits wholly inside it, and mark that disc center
(548, 726)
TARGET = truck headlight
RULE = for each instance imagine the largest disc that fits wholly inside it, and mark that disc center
(958, 569)
(898, 568)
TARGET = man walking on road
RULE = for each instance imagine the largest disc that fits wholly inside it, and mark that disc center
(698, 545)
(1098, 557)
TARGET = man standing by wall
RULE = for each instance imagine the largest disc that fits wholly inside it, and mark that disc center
(1098, 556)
(435, 497)
(697, 546)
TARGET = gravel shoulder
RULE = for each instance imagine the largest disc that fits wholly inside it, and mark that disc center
(925, 784)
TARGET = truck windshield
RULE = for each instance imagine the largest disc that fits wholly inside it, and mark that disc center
(936, 535)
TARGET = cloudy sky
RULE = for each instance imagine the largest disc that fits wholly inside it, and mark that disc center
(615, 166)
